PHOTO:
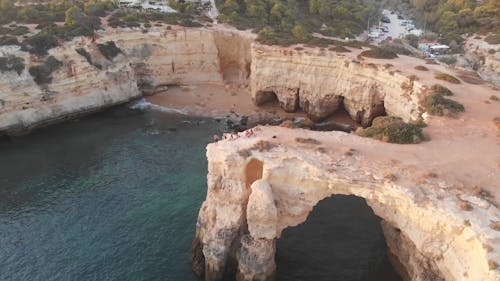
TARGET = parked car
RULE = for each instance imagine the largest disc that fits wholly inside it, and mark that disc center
(385, 19)
(373, 34)
(400, 17)
(384, 29)
(388, 38)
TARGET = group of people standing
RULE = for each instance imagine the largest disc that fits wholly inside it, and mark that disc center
(229, 136)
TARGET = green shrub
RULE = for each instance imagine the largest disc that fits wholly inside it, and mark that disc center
(86, 55)
(12, 63)
(379, 53)
(40, 43)
(412, 40)
(392, 129)
(8, 40)
(294, 21)
(189, 23)
(440, 89)
(396, 48)
(19, 30)
(437, 104)
(421, 68)
(42, 74)
(109, 50)
(339, 49)
(447, 77)
(99, 8)
(450, 60)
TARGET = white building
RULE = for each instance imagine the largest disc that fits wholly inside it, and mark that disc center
(152, 5)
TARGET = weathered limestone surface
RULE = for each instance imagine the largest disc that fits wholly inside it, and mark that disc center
(149, 62)
(484, 57)
(319, 82)
(259, 186)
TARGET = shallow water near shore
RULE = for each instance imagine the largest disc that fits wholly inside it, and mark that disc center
(115, 196)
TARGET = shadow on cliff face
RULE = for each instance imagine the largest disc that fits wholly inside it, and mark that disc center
(341, 241)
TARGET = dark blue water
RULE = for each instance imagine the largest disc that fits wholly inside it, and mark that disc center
(110, 197)
(115, 196)
(341, 240)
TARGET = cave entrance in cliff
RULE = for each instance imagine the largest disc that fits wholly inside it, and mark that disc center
(341, 240)
(266, 98)
(342, 116)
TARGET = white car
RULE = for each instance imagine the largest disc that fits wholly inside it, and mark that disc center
(373, 34)
(384, 29)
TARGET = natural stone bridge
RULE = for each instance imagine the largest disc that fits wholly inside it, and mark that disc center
(261, 185)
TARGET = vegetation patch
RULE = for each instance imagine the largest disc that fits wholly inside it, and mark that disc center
(109, 50)
(189, 14)
(40, 43)
(80, 19)
(465, 206)
(379, 53)
(451, 19)
(421, 68)
(442, 90)
(82, 52)
(397, 48)
(482, 193)
(288, 22)
(495, 225)
(492, 265)
(449, 60)
(86, 55)
(339, 49)
(493, 39)
(12, 63)
(471, 77)
(437, 104)
(447, 77)
(307, 141)
(494, 98)
(8, 40)
(262, 146)
(392, 129)
(42, 74)
(19, 30)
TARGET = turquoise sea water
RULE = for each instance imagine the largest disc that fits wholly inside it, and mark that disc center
(113, 196)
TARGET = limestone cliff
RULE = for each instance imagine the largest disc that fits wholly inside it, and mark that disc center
(149, 62)
(484, 57)
(318, 82)
(261, 185)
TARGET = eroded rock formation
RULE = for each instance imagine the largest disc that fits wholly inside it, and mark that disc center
(319, 82)
(259, 186)
(484, 57)
(149, 63)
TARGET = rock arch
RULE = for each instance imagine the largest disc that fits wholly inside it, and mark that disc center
(236, 225)
(341, 239)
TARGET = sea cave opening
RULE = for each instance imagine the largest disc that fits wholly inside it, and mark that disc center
(341, 240)
(266, 98)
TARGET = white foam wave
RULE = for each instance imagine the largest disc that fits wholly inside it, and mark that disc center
(143, 104)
